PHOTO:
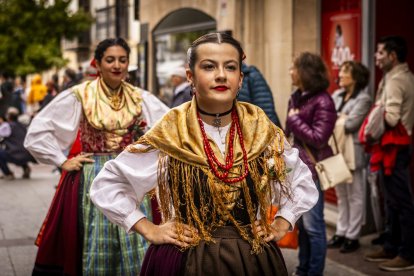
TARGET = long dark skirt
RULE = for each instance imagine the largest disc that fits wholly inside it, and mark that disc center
(229, 255)
(59, 241)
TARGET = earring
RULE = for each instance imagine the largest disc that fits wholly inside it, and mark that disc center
(193, 90)
(238, 92)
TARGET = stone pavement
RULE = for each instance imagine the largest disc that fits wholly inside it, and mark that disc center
(338, 264)
(23, 206)
(24, 203)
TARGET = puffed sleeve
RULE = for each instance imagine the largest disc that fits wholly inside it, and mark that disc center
(121, 185)
(54, 129)
(304, 193)
(152, 108)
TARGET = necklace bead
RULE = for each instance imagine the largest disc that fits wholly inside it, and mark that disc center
(212, 160)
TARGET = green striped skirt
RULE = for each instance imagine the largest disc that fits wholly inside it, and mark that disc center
(107, 248)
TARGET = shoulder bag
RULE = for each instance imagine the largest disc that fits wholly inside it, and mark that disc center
(332, 170)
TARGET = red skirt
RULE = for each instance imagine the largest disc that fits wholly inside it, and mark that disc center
(59, 242)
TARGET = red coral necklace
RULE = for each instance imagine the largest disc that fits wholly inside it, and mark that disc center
(214, 163)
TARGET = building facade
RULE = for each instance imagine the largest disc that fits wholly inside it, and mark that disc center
(112, 18)
(272, 33)
(159, 33)
(267, 29)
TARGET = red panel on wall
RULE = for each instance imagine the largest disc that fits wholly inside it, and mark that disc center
(395, 18)
(341, 40)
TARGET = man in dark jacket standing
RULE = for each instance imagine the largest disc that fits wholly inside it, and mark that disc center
(182, 89)
(12, 134)
(255, 90)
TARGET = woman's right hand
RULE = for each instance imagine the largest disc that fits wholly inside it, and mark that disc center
(293, 111)
(166, 233)
(76, 163)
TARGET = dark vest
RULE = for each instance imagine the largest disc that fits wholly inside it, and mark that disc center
(182, 97)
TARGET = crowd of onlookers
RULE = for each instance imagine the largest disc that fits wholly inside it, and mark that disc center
(19, 102)
(379, 130)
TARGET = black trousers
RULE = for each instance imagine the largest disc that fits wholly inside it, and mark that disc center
(7, 158)
(399, 202)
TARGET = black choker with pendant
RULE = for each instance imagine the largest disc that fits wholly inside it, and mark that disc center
(217, 119)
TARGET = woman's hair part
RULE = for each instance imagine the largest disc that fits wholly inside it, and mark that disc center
(213, 38)
(109, 42)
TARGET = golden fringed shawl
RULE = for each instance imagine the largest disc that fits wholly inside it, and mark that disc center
(111, 113)
(178, 136)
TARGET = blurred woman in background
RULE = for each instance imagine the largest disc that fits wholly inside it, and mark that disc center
(311, 120)
(352, 105)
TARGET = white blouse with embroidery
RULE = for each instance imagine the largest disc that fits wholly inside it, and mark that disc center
(54, 129)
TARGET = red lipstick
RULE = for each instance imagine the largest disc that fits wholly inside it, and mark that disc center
(221, 88)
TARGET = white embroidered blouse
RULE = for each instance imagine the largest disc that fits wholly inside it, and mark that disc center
(123, 182)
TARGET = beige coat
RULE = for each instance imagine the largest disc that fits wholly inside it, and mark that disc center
(396, 91)
(353, 114)
(345, 142)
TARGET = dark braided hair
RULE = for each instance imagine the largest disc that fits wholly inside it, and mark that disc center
(109, 42)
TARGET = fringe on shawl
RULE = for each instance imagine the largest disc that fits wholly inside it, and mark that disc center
(174, 175)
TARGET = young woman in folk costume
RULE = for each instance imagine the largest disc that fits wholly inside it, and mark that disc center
(217, 164)
(109, 114)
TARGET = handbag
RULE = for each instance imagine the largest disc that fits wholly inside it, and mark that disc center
(375, 127)
(332, 170)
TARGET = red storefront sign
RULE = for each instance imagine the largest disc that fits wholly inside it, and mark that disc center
(341, 40)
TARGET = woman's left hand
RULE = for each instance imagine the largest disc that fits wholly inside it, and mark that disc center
(278, 229)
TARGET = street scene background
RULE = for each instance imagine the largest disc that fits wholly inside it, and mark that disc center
(159, 32)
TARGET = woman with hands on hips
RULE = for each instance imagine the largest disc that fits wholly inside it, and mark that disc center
(216, 166)
(109, 114)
